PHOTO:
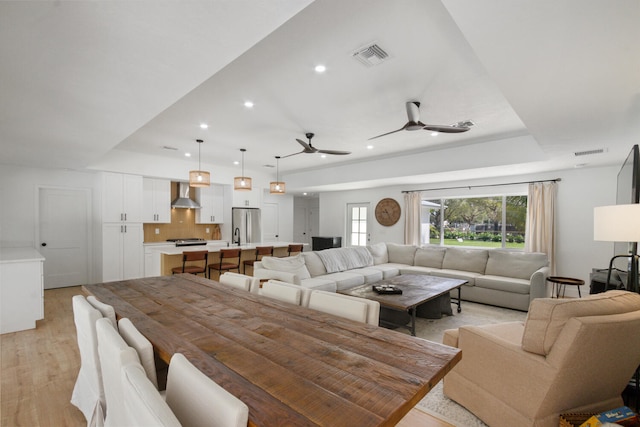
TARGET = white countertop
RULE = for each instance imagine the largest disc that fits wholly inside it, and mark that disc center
(8, 255)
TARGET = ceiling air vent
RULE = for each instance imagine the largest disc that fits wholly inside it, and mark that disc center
(590, 152)
(370, 55)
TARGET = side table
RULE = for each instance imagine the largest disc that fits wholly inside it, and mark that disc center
(559, 283)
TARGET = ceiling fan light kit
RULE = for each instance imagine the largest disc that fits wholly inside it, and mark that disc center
(414, 123)
(242, 183)
(277, 186)
(199, 178)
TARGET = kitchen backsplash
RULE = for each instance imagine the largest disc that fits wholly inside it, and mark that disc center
(183, 225)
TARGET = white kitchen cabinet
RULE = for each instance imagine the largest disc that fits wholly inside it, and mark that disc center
(211, 201)
(122, 252)
(156, 201)
(121, 197)
(247, 199)
(21, 289)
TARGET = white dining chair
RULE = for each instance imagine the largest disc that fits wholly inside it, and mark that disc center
(143, 404)
(105, 309)
(254, 286)
(282, 291)
(114, 354)
(238, 281)
(358, 309)
(88, 392)
(142, 345)
(198, 401)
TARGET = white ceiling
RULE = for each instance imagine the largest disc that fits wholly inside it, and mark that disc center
(541, 80)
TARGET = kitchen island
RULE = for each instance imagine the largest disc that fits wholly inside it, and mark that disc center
(163, 257)
(21, 289)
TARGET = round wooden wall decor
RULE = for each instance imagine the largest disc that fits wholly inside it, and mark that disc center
(387, 211)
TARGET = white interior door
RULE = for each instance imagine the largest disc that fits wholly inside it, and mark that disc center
(301, 232)
(270, 229)
(64, 236)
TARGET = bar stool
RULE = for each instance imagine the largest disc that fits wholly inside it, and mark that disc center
(294, 249)
(226, 261)
(260, 252)
(189, 256)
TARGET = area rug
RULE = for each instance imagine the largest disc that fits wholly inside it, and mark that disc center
(435, 403)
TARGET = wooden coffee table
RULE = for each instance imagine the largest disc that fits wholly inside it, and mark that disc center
(417, 289)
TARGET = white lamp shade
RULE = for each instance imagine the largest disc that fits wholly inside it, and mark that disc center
(617, 223)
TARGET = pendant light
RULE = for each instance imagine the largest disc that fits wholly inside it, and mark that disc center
(277, 187)
(242, 183)
(199, 178)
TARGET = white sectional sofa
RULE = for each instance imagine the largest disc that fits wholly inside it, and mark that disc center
(498, 277)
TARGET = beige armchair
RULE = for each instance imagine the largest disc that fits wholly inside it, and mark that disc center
(570, 355)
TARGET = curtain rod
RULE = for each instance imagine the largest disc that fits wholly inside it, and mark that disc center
(478, 186)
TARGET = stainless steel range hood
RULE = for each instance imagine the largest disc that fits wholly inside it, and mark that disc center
(183, 201)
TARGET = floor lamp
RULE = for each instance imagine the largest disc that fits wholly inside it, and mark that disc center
(620, 223)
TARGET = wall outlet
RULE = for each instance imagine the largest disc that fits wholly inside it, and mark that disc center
(157, 231)
(206, 230)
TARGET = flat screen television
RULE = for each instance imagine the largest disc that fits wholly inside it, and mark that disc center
(628, 191)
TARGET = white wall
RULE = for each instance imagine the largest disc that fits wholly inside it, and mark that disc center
(19, 213)
(579, 191)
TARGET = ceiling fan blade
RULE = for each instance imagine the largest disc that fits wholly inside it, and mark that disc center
(307, 147)
(446, 128)
(389, 133)
(334, 152)
(294, 154)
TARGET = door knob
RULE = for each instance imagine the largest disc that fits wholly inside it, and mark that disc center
(43, 244)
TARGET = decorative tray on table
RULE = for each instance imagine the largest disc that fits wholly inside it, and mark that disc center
(387, 289)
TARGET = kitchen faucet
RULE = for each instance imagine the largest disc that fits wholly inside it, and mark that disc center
(236, 235)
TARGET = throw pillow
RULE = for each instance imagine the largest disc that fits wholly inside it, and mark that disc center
(379, 253)
(293, 264)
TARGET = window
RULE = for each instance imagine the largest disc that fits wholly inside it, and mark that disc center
(357, 223)
(497, 221)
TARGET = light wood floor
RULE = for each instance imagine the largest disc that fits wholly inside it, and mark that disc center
(38, 369)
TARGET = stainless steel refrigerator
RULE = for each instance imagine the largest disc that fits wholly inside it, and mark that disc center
(246, 225)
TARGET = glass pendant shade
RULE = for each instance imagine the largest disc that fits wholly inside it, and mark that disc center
(277, 186)
(199, 178)
(242, 183)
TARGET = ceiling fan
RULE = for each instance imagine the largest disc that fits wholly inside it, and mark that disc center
(414, 123)
(310, 149)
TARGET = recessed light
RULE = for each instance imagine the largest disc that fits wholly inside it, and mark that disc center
(304, 194)
(235, 162)
(434, 133)
(320, 68)
(248, 104)
(204, 126)
(324, 156)
(187, 154)
(369, 147)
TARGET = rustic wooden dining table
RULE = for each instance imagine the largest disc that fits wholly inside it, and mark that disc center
(291, 365)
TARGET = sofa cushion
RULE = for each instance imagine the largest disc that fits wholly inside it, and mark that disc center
(314, 264)
(506, 284)
(417, 270)
(345, 279)
(429, 256)
(320, 284)
(515, 264)
(344, 259)
(401, 254)
(370, 274)
(388, 270)
(547, 316)
(293, 264)
(469, 276)
(474, 260)
(379, 253)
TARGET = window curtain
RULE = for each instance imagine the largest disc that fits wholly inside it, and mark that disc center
(540, 234)
(412, 218)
